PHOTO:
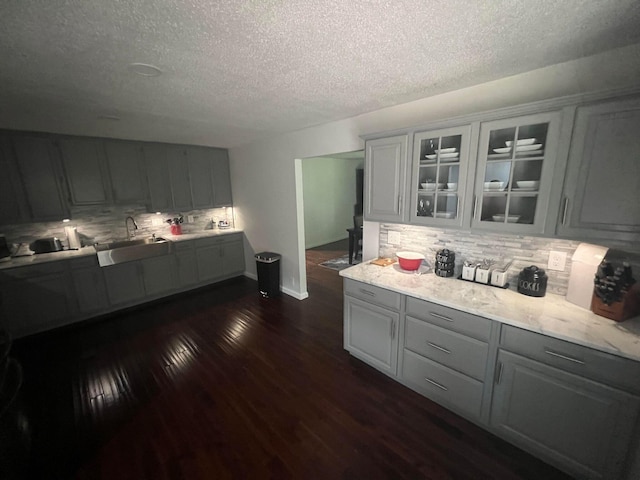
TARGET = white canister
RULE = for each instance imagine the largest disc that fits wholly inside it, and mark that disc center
(469, 271)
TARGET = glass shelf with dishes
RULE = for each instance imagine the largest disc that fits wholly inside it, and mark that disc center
(514, 169)
(440, 166)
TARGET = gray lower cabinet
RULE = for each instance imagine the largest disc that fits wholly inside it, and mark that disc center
(159, 274)
(219, 257)
(36, 298)
(371, 324)
(89, 285)
(124, 283)
(581, 425)
(445, 355)
(186, 266)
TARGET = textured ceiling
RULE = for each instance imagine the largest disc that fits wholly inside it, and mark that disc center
(236, 71)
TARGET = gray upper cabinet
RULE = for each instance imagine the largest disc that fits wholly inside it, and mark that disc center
(221, 178)
(385, 179)
(516, 159)
(179, 177)
(603, 173)
(439, 173)
(201, 176)
(126, 169)
(83, 160)
(159, 183)
(11, 194)
(184, 178)
(41, 177)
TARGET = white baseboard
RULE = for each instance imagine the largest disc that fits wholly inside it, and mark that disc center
(286, 291)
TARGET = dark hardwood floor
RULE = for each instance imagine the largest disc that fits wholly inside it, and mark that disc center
(222, 383)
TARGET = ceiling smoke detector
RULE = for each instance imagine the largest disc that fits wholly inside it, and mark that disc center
(145, 70)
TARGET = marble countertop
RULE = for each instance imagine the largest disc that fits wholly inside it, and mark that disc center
(16, 262)
(550, 315)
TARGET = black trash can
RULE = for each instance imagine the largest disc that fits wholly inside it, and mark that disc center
(268, 265)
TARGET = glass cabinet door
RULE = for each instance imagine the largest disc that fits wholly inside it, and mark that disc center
(515, 168)
(440, 165)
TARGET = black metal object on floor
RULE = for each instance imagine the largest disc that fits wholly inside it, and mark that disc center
(268, 267)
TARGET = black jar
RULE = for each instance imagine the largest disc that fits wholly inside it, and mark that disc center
(532, 281)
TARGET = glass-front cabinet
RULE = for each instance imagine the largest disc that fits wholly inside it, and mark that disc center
(440, 166)
(515, 168)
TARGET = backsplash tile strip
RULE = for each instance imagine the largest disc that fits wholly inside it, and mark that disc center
(523, 250)
(106, 223)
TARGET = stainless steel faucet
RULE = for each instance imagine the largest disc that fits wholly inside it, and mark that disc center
(126, 226)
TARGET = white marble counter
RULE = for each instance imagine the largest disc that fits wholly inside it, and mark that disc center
(550, 315)
(89, 250)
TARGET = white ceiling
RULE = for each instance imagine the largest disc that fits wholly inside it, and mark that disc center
(237, 71)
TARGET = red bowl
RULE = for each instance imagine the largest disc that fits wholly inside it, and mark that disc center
(410, 260)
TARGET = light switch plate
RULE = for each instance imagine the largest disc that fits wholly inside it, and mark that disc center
(393, 238)
(557, 261)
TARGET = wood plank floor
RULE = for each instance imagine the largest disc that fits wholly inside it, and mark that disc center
(221, 383)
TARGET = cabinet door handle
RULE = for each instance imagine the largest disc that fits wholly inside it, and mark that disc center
(565, 207)
(441, 317)
(438, 347)
(475, 206)
(399, 203)
(564, 357)
(367, 292)
(392, 333)
(433, 382)
(499, 373)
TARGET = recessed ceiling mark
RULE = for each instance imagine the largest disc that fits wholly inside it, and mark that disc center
(145, 69)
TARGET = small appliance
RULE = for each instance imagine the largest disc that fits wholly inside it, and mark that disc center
(46, 245)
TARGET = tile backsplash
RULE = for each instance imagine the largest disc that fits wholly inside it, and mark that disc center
(97, 224)
(523, 250)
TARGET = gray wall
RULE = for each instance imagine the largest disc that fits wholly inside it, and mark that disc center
(329, 186)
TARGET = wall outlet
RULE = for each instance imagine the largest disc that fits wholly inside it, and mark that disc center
(156, 221)
(557, 261)
(190, 219)
(393, 238)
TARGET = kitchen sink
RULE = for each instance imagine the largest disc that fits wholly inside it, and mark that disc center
(129, 250)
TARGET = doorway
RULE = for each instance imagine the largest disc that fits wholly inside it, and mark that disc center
(329, 195)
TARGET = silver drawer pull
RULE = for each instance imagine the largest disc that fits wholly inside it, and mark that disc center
(367, 292)
(438, 347)
(564, 357)
(441, 317)
(432, 382)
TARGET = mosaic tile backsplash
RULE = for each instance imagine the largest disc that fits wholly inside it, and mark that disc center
(523, 250)
(99, 224)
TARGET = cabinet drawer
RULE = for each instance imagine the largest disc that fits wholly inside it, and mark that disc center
(183, 246)
(208, 241)
(609, 369)
(84, 262)
(442, 384)
(34, 271)
(372, 294)
(456, 351)
(461, 322)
